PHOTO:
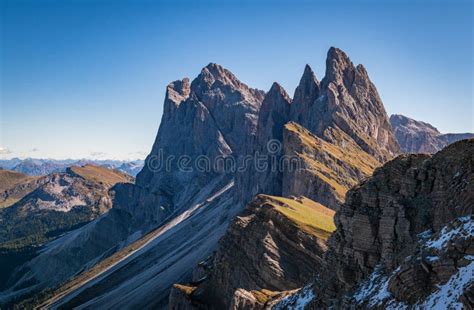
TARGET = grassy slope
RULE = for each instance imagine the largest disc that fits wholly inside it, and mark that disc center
(101, 175)
(310, 216)
(330, 162)
(10, 179)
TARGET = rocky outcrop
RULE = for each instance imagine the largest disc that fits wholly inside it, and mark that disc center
(438, 274)
(379, 225)
(307, 92)
(275, 245)
(420, 137)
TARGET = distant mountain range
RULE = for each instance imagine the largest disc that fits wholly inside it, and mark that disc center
(38, 167)
(420, 137)
(264, 201)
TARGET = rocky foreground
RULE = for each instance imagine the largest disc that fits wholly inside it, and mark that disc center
(276, 245)
(403, 238)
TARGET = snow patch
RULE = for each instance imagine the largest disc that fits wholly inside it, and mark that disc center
(466, 230)
(297, 301)
(374, 292)
(375, 289)
(447, 295)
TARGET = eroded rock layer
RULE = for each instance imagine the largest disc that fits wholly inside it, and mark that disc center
(379, 225)
(275, 245)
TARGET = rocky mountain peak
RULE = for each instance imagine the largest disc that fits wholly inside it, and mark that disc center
(216, 78)
(339, 67)
(273, 114)
(305, 95)
(178, 90)
(277, 91)
(308, 88)
(214, 72)
(348, 100)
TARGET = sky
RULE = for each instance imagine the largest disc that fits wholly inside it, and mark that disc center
(86, 79)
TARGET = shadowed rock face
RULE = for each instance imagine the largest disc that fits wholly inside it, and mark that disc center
(274, 114)
(380, 223)
(419, 137)
(308, 90)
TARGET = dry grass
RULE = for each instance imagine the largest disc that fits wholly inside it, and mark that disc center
(8, 202)
(101, 175)
(336, 165)
(188, 290)
(264, 295)
(310, 216)
(9, 179)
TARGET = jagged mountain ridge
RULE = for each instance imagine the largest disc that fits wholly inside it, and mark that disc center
(41, 167)
(344, 109)
(215, 115)
(347, 99)
(420, 137)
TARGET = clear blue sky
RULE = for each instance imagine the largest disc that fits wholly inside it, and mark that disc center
(87, 78)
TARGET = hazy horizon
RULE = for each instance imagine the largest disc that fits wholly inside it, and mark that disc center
(87, 80)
